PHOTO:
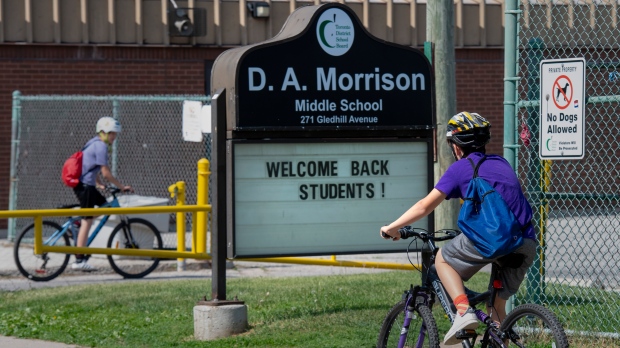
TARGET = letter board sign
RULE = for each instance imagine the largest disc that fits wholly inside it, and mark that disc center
(317, 198)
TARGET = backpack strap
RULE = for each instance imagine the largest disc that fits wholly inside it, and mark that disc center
(477, 166)
(92, 168)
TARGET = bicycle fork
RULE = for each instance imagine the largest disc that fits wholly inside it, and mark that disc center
(410, 304)
(130, 242)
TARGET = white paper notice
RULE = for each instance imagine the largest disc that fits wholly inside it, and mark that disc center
(192, 121)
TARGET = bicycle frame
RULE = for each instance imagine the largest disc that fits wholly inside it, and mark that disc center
(426, 295)
(70, 223)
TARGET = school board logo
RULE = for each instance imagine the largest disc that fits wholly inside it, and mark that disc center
(335, 32)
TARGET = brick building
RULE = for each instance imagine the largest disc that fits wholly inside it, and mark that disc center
(119, 47)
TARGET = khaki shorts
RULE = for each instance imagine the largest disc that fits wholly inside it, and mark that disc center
(461, 255)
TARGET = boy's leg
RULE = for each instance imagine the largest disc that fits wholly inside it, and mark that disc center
(82, 238)
(456, 262)
(89, 198)
(465, 317)
(498, 311)
(450, 279)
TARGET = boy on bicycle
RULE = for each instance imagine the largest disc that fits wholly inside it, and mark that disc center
(459, 260)
(95, 161)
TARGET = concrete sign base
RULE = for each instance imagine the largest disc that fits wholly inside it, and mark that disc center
(213, 322)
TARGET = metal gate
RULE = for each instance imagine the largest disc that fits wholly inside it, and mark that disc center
(575, 201)
(149, 154)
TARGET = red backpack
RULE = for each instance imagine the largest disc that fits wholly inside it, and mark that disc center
(72, 169)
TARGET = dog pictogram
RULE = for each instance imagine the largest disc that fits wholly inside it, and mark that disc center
(561, 91)
(563, 96)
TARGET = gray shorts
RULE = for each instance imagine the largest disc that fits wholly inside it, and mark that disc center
(461, 254)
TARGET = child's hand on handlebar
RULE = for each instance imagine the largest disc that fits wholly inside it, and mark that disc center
(386, 233)
(128, 188)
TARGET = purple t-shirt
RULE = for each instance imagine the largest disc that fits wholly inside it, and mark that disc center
(94, 156)
(497, 172)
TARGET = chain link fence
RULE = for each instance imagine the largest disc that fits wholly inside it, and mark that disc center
(149, 154)
(575, 201)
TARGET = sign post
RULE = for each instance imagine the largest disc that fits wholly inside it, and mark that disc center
(562, 109)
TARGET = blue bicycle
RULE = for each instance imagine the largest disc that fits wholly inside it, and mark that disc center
(131, 233)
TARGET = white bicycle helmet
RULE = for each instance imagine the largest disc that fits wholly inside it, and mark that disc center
(108, 124)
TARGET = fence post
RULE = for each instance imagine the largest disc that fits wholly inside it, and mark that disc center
(510, 80)
(536, 273)
(115, 113)
(14, 155)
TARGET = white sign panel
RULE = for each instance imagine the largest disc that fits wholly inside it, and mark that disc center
(192, 121)
(324, 198)
(562, 108)
(205, 116)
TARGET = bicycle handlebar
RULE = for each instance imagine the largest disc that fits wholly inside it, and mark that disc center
(113, 190)
(408, 231)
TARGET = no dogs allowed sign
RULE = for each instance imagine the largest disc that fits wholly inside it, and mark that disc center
(562, 105)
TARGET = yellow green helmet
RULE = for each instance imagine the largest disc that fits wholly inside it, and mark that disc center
(469, 130)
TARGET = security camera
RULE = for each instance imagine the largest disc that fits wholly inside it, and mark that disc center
(181, 25)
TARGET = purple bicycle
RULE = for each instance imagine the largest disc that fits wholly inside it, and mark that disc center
(410, 323)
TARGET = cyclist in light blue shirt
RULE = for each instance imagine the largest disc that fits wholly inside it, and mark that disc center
(95, 161)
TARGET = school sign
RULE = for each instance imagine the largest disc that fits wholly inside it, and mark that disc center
(328, 136)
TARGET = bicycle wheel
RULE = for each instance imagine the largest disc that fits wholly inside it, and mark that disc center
(532, 325)
(46, 266)
(392, 326)
(139, 234)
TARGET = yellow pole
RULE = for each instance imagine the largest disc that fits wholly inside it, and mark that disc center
(544, 210)
(194, 233)
(202, 197)
(179, 190)
(38, 235)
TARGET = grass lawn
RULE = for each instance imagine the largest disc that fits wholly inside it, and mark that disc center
(329, 311)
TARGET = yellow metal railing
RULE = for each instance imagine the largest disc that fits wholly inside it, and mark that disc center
(38, 215)
(199, 231)
(200, 213)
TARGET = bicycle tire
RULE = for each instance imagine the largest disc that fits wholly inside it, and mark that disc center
(44, 267)
(146, 236)
(536, 326)
(389, 335)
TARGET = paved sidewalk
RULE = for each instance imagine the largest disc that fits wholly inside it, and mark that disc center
(11, 342)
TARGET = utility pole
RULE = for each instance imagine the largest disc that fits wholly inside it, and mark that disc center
(440, 32)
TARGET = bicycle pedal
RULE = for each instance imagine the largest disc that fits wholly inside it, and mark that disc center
(465, 334)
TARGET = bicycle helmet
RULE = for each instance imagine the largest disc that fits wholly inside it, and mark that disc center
(468, 130)
(107, 124)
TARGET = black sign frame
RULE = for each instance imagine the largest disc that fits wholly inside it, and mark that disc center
(291, 83)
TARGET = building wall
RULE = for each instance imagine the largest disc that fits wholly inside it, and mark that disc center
(114, 70)
(480, 88)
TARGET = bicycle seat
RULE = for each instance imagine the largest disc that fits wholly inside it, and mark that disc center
(67, 206)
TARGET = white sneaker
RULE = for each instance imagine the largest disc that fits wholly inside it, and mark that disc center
(83, 266)
(467, 321)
